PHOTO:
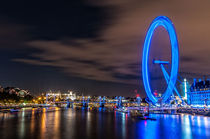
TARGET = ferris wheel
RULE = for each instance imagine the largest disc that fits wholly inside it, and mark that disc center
(171, 76)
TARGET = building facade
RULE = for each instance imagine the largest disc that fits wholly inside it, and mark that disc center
(199, 94)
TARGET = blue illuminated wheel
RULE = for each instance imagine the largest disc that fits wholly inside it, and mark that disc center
(168, 25)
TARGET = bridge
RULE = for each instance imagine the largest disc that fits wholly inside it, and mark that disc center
(85, 102)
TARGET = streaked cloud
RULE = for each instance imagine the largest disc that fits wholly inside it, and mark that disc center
(119, 44)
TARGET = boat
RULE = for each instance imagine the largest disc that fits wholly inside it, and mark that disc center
(137, 113)
(14, 110)
(123, 109)
(147, 118)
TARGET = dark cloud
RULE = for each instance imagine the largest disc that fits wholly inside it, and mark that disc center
(187, 59)
(55, 21)
(125, 76)
(102, 41)
(88, 62)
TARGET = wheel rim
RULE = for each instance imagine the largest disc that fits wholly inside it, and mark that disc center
(168, 25)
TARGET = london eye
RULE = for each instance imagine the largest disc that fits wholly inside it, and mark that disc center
(169, 76)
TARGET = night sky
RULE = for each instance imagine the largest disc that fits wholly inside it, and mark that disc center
(95, 47)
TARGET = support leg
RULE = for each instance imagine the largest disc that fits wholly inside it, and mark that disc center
(166, 76)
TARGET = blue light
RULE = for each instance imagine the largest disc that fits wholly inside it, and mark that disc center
(168, 25)
(166, 76)
(199, 98)
(160, 62)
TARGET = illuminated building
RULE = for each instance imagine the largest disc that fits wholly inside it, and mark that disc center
(184, 88)
(199, 94)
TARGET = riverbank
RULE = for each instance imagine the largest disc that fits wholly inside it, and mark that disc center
(195, 111)
(191, 111)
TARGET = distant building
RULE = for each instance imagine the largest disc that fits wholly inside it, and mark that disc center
(23, 93)
(199, 94)
(1, 89)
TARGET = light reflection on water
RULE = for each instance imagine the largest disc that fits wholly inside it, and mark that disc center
(70, 123)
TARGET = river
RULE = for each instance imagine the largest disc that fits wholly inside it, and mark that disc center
(86, 124)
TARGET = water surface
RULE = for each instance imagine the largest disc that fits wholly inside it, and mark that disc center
(82, 124)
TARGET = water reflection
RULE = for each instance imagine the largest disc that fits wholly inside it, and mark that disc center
(32, 125)
(57, 121)
(21, 125)
(43, 124)
(83, 123)
(186, 122)
(124, 124)
(147, 129)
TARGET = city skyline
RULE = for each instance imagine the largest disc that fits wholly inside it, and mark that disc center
(105, 69)
(93, 47)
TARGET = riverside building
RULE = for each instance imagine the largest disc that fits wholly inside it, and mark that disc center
(199, 94)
